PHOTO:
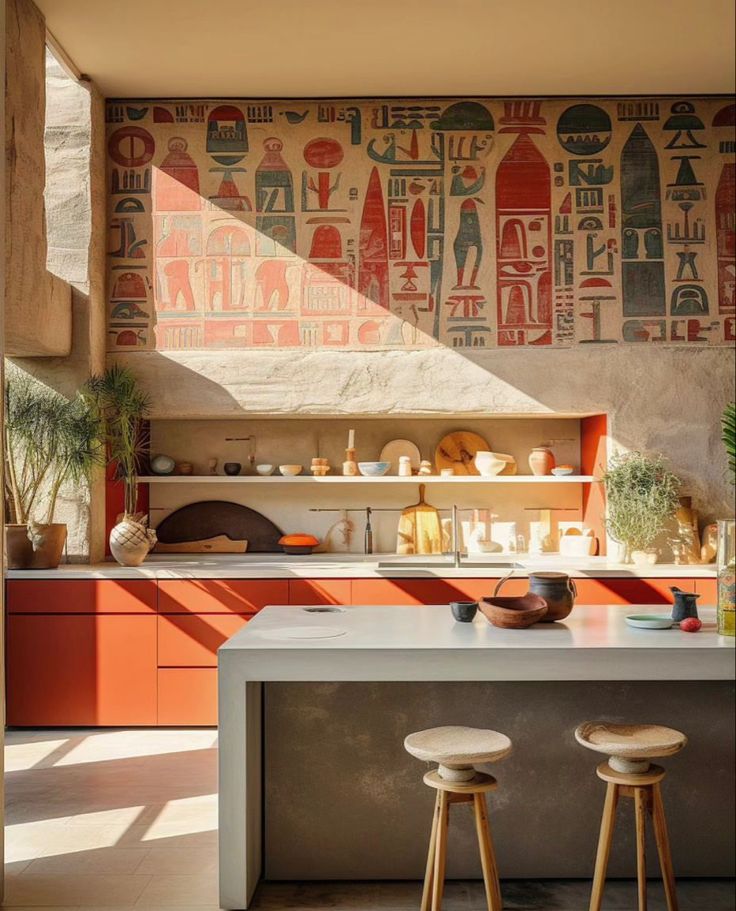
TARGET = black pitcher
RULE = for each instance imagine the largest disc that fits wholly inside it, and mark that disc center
(686, 604)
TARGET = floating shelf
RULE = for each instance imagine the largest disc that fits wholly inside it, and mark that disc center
(340, 479)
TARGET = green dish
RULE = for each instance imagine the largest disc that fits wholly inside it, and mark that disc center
(650, 621)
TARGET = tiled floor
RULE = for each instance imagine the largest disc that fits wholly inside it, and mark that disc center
(127, 819)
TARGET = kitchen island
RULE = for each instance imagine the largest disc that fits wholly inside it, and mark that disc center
(393, 644)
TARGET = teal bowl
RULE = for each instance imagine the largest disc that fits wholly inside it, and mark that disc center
(373, 469)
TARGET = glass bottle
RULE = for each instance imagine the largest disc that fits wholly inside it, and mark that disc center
(727, 577)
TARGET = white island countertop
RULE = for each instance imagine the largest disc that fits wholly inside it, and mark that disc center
(374, 643)
(360, 566)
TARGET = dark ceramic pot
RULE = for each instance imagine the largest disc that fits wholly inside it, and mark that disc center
(558, 590)
(464, 611)
(686, 604)
(232, 468)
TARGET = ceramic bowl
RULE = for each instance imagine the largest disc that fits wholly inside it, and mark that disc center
(373, 469)
(264, 470)
(650, 621)
(162, 464)
(290, 471)
(298, 543)
(513, 613)
(562, 470)
(464, 611)
(232, 468)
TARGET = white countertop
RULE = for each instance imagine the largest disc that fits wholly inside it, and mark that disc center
(373, 643)
(358, 566)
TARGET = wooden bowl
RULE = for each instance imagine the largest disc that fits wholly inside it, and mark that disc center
(513, 613)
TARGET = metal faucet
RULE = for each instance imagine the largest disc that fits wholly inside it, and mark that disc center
(456, 555)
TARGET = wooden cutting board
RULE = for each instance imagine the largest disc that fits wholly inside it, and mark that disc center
(457, 451)
(420, 529)
(220, 544)
(208, 519)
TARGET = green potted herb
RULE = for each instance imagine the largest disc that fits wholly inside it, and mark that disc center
(642, 495)
(122, 408)
(49, 441)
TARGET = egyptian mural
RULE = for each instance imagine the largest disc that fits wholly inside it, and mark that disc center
(410, 224)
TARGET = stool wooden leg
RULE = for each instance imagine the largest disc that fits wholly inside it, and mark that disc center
(487, 855)
(604, 846)
(640, 812)
(429, 873)
(663, 848)
(440, 857)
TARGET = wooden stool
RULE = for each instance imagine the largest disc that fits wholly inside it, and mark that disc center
(457, 750)
(629, 773)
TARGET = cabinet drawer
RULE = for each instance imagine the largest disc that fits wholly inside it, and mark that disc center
(81, 596)
(708, 591)
(320, 591)
(76, 670)
(187, 696)
(220, 596)
(628, 591)
(193, 641)
(425, 591)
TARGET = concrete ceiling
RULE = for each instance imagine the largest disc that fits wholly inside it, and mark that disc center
(323, 48)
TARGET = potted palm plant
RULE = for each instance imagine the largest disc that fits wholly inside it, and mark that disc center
(122, 408)
(49, 441)
(642, 495)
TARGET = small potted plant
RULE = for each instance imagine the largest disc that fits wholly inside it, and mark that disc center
(642, 496)
(122, 408)
(49, 441)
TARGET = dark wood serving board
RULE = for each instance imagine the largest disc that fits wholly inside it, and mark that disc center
(212, 518)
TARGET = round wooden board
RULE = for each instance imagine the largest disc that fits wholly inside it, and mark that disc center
(396, 448)
(457, 451)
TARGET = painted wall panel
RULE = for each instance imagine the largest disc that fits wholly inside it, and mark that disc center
(396, 224)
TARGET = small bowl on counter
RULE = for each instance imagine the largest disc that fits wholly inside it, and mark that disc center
(298, 544)
(513, 613)
(464, 611)
(373, 469)
(290, 471)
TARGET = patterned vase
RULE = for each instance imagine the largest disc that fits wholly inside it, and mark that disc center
(131, 540)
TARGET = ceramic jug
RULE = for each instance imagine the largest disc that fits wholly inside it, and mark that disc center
(686, 604)
(557, 589)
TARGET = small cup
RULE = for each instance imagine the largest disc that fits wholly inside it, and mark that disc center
(232, 468)
(264, 470)
(464, 611)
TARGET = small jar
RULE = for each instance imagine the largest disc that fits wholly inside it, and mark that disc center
(541, 460)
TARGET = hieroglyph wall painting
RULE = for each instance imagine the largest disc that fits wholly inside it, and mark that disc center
(411, 224)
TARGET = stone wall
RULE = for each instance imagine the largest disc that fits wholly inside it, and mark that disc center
(38, 317)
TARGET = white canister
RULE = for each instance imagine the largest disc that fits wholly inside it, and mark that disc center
(404, 466)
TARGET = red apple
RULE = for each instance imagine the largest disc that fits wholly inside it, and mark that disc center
(691, 624)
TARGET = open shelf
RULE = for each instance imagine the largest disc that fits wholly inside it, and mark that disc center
(340, 479)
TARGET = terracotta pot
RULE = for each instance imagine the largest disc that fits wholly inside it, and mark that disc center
(34, 546)
(513, 613)
(541, 460)
(131, 541)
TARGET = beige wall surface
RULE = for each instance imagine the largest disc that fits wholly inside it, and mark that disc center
(398, 47)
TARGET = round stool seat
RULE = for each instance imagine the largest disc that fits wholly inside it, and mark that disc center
(630, 746)
(457, 749)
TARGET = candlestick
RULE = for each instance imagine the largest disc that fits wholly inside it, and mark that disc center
(351, 439)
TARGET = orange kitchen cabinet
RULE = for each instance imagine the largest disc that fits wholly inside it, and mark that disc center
(320, 591)
(187, 696)
(81, 670)
(192, 641)
(628, 591)
(220, 596)
(424, 591)
(81, 596)
(708, 591)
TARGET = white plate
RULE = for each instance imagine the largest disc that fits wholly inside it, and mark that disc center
(395, 448)
(650, 621)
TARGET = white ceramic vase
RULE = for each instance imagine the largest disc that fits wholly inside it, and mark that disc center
(488, 464)
(131, 540)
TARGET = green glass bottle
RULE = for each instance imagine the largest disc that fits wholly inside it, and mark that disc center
(727, 577)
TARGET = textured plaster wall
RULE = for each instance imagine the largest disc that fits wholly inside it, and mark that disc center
(660, 399)
(365, 790)
(38, 318)
(74, 204)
